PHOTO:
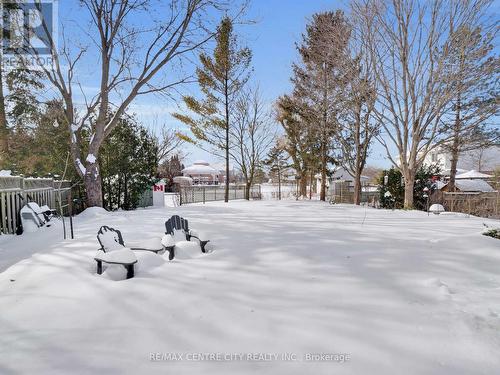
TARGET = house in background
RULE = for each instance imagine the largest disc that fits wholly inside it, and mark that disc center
(481, 159)
(340, 179)
(202, 173)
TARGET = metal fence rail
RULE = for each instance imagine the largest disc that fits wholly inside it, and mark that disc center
(202, 194)
(14, 192)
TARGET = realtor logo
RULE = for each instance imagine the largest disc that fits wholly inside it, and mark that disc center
(28, 29)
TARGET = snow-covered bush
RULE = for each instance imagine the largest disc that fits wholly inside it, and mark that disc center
(495, 233)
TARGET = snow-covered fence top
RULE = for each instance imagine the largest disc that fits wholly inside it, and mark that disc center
(14, 190)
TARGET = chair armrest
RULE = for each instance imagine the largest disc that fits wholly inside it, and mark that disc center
(195, 234)
(143, 249)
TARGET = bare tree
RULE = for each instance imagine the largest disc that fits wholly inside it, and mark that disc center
(406, 40)
(359, 127)
(251, 135)
(168, 142)
(130, 60)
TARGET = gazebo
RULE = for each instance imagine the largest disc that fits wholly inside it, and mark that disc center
(202, 173)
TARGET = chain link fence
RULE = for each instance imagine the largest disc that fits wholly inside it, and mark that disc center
(202, 194)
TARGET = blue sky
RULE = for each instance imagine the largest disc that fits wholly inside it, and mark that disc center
(279, 25)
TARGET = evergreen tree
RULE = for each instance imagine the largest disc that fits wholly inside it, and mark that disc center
(277, 163)
(392, 187)
(18, 103)
(221, 77)
(301, 141)
(128, 163)
(40, 149)
(320, 79)
(20, 109)
(473, 69)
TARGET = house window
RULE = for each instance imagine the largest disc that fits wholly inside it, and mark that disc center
(434, 157)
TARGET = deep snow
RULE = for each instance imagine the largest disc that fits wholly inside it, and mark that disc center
(396, 291)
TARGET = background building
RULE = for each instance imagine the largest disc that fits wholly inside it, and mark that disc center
(482, 159)
(203, 174)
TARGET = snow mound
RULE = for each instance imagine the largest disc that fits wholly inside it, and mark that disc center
(187, 250)
(93, 212)
(436, 208)
(115, 272)
(456, 214)
(147, 261)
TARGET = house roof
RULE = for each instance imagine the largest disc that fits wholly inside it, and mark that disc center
(473, 186)
(201, 162)
(440, 184)
(200, 169)
(447, 172)
(472, 174)
(342, 174)
(182, 178)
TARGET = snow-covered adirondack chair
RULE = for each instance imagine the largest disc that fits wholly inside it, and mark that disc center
(154, 245)
(47, 212)
(33, 217)
(177, 224)
(114, 251)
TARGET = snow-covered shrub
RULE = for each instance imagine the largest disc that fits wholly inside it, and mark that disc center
(495, 233)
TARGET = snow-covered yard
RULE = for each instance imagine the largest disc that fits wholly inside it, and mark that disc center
(395, 292)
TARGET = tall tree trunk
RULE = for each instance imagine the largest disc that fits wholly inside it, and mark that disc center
(358, 165)
(119, 195)
(357, 188)
(126, 205)
(4, 130)
(322, 195)
(279, 183)
(455, 147)
(226, 192)
(409, 186)
(311, 184)
(93, 186)
(247, 190)
(453, 166)
(303, 185)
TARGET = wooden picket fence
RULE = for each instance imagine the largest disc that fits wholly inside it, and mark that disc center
(16, 191)
(477, 204)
